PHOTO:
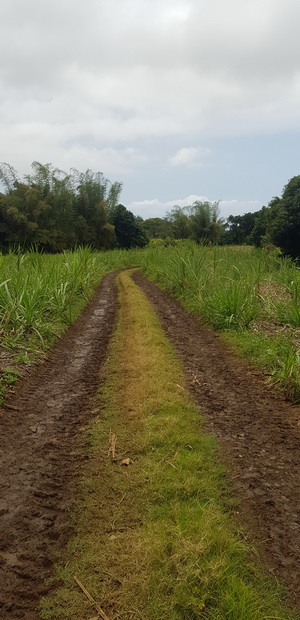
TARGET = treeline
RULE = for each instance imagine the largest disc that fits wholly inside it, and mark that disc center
(201, 221)
(277, 224)
(53, 211)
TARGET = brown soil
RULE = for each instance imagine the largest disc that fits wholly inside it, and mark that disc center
(42, 452)
(258, 433)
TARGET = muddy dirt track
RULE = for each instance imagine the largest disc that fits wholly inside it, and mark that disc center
(41, 454)
(42, 450)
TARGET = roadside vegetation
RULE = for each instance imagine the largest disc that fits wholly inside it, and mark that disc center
(252, 296)
(155, 536)
(40, 296)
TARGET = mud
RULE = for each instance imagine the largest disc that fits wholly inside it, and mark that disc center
(42, 452)
(257, 431)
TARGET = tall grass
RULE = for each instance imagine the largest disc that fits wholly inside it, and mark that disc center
(219, 284)
(238, 289)
(232, 289)
(41, 294)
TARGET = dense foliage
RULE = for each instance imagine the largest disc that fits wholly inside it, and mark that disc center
(278, 224)
(54, 210)
(200, 222)
(128, 231)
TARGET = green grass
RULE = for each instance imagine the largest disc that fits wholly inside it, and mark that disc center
(156, 539)
(277, 355)
(42, 294)
(238, 291)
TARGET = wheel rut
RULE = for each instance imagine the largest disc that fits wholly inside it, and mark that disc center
(257, 431)
(42, 452)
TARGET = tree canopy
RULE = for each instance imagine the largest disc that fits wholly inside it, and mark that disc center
(277, 224)
(128, 230)
(200, 221)
(55, 210)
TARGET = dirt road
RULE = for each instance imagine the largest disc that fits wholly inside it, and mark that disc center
(42, 450)
(42, 453)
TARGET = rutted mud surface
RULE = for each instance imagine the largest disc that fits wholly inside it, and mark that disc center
(259, 434)
(40, 454)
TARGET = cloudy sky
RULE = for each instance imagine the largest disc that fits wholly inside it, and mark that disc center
(179, 99)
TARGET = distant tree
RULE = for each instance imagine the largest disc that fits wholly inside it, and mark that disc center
(277, 224)
(8, 176)
(128, 231)
(206, 224)
(258, 234)
(139, 219)
(3, 225)
(113, 195)
(216, 227)
(55, 210)
(239, 228)
(157, 228)
(179, 219)
(284, 219)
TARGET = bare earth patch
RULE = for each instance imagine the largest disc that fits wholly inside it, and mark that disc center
(42, 453)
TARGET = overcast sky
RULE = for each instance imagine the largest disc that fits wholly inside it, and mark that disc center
(180, 100)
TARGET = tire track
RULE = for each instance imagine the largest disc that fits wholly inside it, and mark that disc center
(42, 453)
(258, 433)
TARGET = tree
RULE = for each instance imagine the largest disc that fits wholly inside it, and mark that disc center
(55, 210)
(129, 233)
(180, 222)
(259, 236)
(239, 228)
(3, 223)
(284, 220)
(157, 228)
(206, 225)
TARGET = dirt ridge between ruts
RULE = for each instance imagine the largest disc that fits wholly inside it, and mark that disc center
(42, 451)
(257, 431)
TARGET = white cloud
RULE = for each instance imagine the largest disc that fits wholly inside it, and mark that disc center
(189, 156)
(141, 68)
(157, 208)
(102, 83)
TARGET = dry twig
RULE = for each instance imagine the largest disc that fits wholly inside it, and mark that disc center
(112, 444)
(91, 599)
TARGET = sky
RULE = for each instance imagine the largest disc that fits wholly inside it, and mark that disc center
(181, 100)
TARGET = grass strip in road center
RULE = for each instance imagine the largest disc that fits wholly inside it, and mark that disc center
(155, 535)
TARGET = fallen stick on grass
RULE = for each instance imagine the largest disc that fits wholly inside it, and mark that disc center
(112, 444)
(91, 599)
